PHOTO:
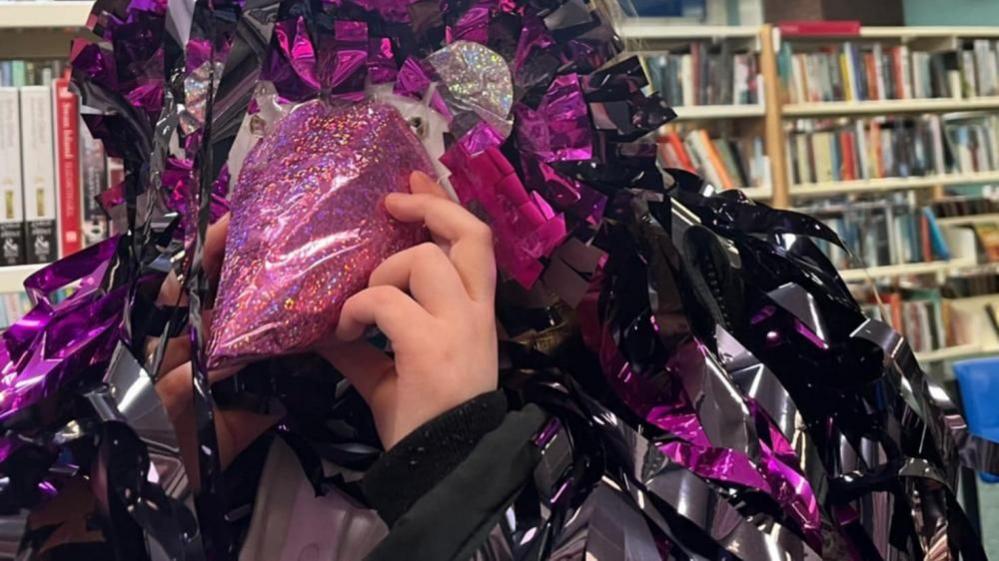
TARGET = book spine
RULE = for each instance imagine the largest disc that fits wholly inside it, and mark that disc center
(992, 66)
(969, 82)
(696, 56)
(700, 159)
(94, 223)
(38, 174)
(11, 212)
(863, 156)
(823, 157)
(847, 75)
(840, 28)
(681, 151)
(67, 145)
(805, 167)
(708, 148)
(19, 73)
(917, 76)
(906, 72)
(870, 69)
(801, 91)
(687, 80)
(849, 172)
(980, 49)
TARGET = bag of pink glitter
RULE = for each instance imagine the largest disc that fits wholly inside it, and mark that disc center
(308, 226)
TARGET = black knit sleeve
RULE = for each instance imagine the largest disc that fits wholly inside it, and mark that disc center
(418, 462)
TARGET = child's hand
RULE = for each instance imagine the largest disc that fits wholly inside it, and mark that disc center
(435, 302)
(178, 349)
(235, 429)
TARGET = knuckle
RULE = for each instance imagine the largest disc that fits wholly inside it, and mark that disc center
(481, 232)
(427, 251)
(385, 293)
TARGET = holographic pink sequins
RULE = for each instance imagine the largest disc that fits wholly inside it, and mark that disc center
(308, 227)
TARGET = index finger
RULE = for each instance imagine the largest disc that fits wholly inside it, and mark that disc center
(171, 293)
(471, 240)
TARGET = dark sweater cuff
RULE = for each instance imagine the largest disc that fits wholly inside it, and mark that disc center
(421, 460)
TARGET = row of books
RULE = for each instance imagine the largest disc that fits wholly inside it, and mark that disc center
(860, 72)
(17, 73)
(824, 151)
(919, 314)
(51, 172)
(883, 232)
(703, 77)
(955, 206)
(970, 283)
(13, 306)
(724, 161)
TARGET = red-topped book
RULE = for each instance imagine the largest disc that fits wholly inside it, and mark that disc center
(831, 28)
(67, 140)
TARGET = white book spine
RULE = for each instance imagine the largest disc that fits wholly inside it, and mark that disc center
(894, 243)
(687, 75)
(981, 49)
(991, 62)
(740, 83)
(906, 72)
(994, 138)
(38, 168)
(11, 210)
(968, 73)
(798, 72)
(954, 83)
(879, 71)
(917, 76)
(864, 160)
(938, 145)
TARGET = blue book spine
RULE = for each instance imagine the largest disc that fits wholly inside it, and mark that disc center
(937, 239)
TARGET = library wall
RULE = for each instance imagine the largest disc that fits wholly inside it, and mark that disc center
(953, 12)
(883, 12)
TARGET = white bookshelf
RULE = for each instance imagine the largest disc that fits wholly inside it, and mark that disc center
(868, 186)
(905, 269)
(929, 32)
(707, 112)
(905, 34)
(12, 278)
(44, 15)
(969, 220)
(31, 29)
(890, 106)
(665, 29)
(759, 193)
(957, 352)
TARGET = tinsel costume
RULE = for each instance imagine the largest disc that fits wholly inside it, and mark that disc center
(703, 384)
